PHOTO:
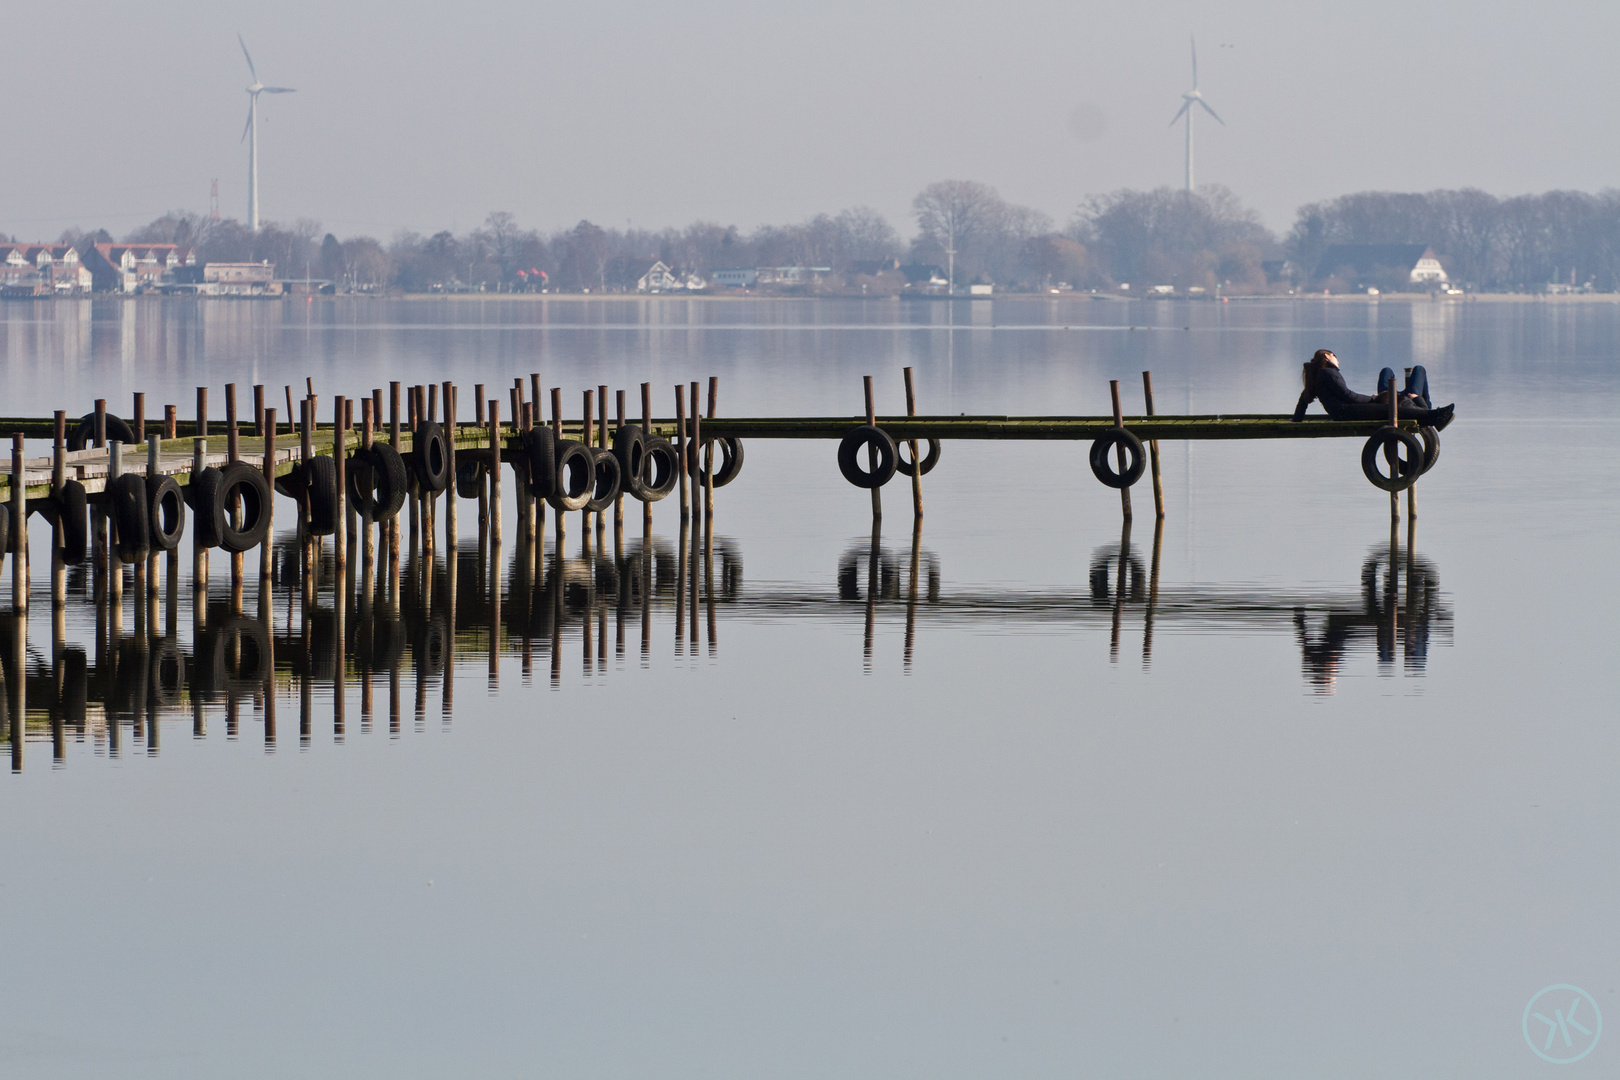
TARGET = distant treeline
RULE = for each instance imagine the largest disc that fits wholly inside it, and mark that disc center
(1208, 240)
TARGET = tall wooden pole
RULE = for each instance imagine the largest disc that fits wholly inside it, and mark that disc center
(1119, 422)
(916, 461)
(1153, 449)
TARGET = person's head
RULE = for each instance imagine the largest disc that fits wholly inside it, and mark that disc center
(1313, 366)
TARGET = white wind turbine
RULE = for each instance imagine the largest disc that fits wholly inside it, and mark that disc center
(1188, 100)
(252, 129)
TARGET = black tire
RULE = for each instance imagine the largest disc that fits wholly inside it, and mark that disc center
(470, 474)
(241, 654)
(1136, 458)
(608, 480)
(126, 504)
(1407, 468)
(630, 447)
(574, 478)
(858, 439)
(202, 494)
(540, 443)
(167, 680)
(378, 481)
(73, 515)
(731, 459)
(321, 495)
(165, 512)
(430, 456)
(906, 468)
(1431, 447)
(85, 433)
(660, 469)
(215, 491)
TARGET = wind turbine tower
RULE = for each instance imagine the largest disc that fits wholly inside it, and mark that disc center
(251, 133)
(1188, 100)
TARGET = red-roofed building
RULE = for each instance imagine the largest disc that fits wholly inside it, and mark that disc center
(131, 268)
(42, 270)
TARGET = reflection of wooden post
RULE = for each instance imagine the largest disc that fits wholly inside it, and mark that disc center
(1153, 594)
(916, 463)
(1119, 422)
(874, 562)
(1153, 449)
(916, 561)
(871, 451)
(19, 620)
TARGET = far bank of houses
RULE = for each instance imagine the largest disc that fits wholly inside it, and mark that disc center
(59, 270)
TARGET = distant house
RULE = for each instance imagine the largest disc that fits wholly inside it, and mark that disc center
(229, 279)
(790, 275)
(42, 270)
(925, 275)
(661, 278)
(1377, 264)
(735, 277)
(130, 268)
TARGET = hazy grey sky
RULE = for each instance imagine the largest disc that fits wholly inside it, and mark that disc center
(427, 116)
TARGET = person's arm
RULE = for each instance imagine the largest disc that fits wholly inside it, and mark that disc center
(1305, 399)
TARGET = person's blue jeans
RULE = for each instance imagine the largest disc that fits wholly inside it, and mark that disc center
(1417, 383)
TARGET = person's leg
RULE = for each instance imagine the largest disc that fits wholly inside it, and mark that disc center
(1417, 384)
(1386, 381)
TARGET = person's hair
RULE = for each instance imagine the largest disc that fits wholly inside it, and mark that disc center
(1312, 368)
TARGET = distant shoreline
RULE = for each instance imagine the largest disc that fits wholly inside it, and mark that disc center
(1330, 298)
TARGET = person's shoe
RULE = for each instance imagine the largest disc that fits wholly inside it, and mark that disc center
(1442, 417)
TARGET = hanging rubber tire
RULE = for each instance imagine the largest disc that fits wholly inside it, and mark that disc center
(731, 459)
(321, 495)
(573, 478)
(906, 468)
(540, 443)
(430, 456)
(608, 477)
(630, 447)
(378, 481)
(165, 512)
(1136, 458)
(202, 494)
(857, 439)
(1431, 447)
(73, 516)
(126, 504)
(167, 681)
(470, 475)
(241, 654)
(1407, 469)
(660, 469)
(85, 433)
(217, 488)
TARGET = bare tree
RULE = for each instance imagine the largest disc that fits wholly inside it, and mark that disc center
(953, 214)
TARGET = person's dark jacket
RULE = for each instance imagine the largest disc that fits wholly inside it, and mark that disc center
(1336, 397)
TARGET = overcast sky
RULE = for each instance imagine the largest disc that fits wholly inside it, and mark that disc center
(427, 116)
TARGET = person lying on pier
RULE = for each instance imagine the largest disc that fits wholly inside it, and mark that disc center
(1323, 382)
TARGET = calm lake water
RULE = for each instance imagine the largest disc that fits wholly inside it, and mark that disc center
(1260, 796)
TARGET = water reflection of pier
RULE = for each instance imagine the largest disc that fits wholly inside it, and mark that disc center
(392, 646)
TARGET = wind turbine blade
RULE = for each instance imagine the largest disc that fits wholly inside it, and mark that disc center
(1195, 59)
(242, 43)
(279, 90)
(1211, 111)
(247, 126)
(1185, 105)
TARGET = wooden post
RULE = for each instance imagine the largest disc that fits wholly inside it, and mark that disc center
(19, 559)
(646, 429)
(368, 541)
(585, 515)
(708, 453)
(171, 422)
(601, 442)
(450, 537)
(556, 433)
(916, 462)
(394, 441)
(266, 548)
(154, 448)
(618, 504)
(1393, 456)
(258, 409)
(681, 450)
(199, 554)
(1153, 449)
(138, 423)
(340, 454)
(233, 452)
(115, 565)
(1119, 422)
(694, 448)
(495, 483)
(202, 412)
(98, 514)
(58, 480)
(871, 452)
